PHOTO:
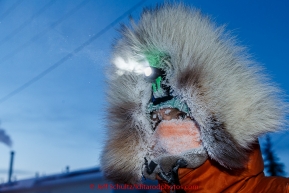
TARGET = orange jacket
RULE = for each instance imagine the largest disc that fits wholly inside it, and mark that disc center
(211, 178)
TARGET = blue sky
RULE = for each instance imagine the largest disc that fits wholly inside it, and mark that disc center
(58, 120)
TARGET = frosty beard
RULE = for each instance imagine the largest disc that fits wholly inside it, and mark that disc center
(171, 141)
(174, 137)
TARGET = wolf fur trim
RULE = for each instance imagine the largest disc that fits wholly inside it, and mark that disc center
(230, 99)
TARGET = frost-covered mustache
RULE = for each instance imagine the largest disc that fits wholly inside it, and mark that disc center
(174, 137)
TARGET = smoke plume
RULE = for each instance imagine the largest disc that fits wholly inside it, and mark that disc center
(4, 138)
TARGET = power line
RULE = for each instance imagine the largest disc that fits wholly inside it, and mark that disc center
(9, 10)
(17, 30)
(71, 54)
(44, 31)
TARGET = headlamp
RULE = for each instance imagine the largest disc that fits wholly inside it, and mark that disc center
(148, 71)
(152, 73)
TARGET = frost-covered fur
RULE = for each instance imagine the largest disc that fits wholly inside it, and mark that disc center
(228, 96)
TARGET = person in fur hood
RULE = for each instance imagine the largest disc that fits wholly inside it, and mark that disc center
(186, 107)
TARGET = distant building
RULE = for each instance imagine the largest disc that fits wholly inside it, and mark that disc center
(82, 181)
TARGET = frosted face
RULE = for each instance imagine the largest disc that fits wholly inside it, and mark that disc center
(174, 133)
(167, 114)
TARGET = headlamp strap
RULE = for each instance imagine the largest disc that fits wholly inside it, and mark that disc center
(157, 84)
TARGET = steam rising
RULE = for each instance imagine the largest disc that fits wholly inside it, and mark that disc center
(4, 138)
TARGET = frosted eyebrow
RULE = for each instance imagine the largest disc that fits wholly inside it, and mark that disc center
(173, 112)
(168, 111)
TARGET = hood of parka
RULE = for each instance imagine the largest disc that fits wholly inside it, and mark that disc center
(229, 98)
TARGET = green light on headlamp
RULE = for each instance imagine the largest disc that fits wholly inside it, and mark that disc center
(155, 73)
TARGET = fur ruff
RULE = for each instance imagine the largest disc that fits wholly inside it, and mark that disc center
(228, 96)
